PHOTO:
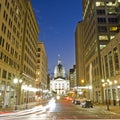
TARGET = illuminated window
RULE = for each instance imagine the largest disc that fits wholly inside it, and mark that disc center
(111, 37)
(110, 3)
(100, 4)
(113, 28)
(103, 37)
(102, 46)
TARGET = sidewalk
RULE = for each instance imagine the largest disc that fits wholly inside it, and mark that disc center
(114, 109)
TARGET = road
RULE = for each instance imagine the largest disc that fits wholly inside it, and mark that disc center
(60, 110)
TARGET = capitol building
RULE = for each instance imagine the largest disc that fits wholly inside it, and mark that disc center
(59, 82)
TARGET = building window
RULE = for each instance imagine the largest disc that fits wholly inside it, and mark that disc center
(98, 4)
(1, 55)
(110, 4)
(113, 29)
(14, 29)
(3, 28)
(111, 64)
(0, 6)
(101, 12)
(2, 41)
(39, 49)
(38, 61)
(38, 55)
(7, 46)
(5, 58)
(106, 66)
(111, 37)
(103, 37)
(101, 20)
(102, 29)
(3, 82)
(102, 46)
(116, 60)
(112, 20)
(9, 76)
(4, 74)
(111, 11)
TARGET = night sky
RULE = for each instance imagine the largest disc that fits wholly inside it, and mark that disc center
(57, 20)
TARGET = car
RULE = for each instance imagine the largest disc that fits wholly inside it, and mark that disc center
(79, 100)
(73, 101)
(76, 101)
(87, 104)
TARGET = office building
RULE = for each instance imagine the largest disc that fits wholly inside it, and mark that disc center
(110, 59)
(18, 44)
(42, 67)
(79, 54)
(100, 25)
(72, 77)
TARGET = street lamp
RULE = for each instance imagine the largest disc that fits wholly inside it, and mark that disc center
(18, 90)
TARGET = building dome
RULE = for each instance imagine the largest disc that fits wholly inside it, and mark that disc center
(59, 70)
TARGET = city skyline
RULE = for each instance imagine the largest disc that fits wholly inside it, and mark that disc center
(57, 20)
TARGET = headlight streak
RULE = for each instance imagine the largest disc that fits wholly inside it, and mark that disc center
(24, 112)
(36, 110)
(52, 104)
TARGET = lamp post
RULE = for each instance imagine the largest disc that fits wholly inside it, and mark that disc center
(17, 82)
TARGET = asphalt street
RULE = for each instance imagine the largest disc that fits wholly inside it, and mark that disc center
(60, 110)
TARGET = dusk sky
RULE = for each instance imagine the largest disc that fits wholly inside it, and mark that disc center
(57, 20)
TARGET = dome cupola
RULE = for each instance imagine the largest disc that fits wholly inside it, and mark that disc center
(59, 70)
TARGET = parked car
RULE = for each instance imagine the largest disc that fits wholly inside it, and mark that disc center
(87, 104)
(78, 101)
